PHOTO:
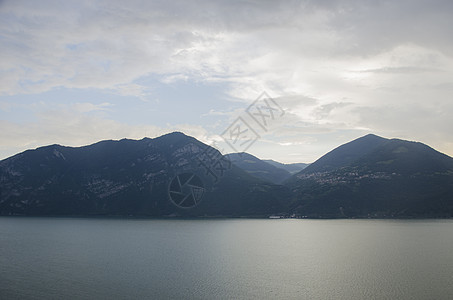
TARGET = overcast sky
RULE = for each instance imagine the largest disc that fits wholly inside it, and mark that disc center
(76, 72)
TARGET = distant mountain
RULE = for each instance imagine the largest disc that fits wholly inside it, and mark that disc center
(346, 154)
(177, 175)
(258, 168)
(172, 175)
(377, 177)
(291, 168)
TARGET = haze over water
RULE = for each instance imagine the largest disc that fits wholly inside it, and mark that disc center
(57, 258)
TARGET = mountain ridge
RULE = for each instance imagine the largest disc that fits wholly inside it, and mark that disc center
(129, 177)
(345, 153)
(377, 177)
(367, 177)
(258, 168)
(292, 168)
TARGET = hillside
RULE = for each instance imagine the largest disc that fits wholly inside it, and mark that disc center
(132, 177)
(291, 168)
(177, 175)
(258, 168)
(376, 177)
(346, 154)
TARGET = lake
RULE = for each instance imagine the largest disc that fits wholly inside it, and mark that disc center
(77, 258)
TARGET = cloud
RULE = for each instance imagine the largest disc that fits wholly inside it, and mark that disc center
(67, 128)
(78, 127)
(257, 46)
(336, 65)
(400, 70)
(89, 107)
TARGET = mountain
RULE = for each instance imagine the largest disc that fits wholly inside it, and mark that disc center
(172, 175)
(291, 168)
(177, 175)
(258, 168)
(377, 177)
(346, 154)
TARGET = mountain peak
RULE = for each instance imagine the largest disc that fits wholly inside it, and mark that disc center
(258, 168)
(377, 176)
(130, 177)
(382, 154)
(372, 136)
(175, 137)
(346, 153)
(173, 134)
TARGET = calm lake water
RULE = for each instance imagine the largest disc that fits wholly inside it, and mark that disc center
(65, 258)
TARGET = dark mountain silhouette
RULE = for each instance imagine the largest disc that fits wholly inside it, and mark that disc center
(291, 168)
(378, 177)
(346, 154)
(176, 175)
(258, 168)
(132, 177)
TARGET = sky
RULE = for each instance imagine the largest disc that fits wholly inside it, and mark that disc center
(76, 72)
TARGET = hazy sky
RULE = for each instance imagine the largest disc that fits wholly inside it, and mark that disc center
(76, 72)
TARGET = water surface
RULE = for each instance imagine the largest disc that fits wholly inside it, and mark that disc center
(56, 258)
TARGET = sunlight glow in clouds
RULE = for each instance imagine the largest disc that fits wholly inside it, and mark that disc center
(75, 72)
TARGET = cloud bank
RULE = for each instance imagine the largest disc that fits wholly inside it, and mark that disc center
(340, 68)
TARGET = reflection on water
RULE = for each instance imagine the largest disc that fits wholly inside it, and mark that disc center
(44, 258)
